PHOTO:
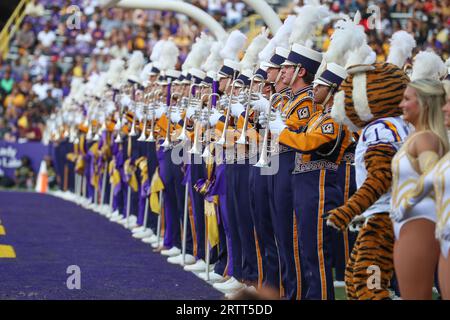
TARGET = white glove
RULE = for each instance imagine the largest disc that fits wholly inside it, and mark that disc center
(261, 105)
(139, 112)
(160, 111)
(204, 117)
(125, 100)
(242, 98)
(224, 100)
(175, 117)
(237, 109)
(214, 117)
(262, 119)
(190, 112)
(277, 125)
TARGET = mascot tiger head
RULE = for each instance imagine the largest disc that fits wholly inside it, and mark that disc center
(370, 92)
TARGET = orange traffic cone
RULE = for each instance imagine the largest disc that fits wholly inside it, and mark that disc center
(42, 180)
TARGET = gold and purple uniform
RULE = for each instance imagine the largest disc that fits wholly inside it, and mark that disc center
(320, 146)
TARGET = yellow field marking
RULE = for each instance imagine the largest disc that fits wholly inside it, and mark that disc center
(7, 251)
(2, 231)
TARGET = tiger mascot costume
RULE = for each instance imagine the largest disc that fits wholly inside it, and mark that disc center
(369, 103)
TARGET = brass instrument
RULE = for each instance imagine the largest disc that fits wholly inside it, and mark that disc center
(206, 152)
(222, 139)
(118, 127)
(183, 135)
(153, 104)
(197, 145)
(133, 125)
(263, 161)
(168, 144)
(243, 138)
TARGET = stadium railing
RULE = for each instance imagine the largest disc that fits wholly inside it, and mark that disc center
(11, 27)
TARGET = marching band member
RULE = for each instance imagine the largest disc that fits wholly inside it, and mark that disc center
(298, 72)
(242, 261)
(279, 194)
(321, 146)
(414, 227)
(214, 180)
(281, 214)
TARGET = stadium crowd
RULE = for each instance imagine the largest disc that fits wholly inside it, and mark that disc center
(49, 48)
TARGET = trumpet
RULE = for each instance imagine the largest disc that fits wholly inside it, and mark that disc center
(183, 135)
(243, 138)
(263, 161)
(197, 146)
(206, 152)
(168, 144)
(143, 137)
(151, 137)
(133, 125)
(222, 139)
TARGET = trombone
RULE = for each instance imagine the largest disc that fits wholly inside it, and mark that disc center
(222, 139)
(263, 161)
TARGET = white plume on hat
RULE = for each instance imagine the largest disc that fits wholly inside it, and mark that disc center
(214, 60)
(75, 86)
(280, 39)
(308, 18)
(92, 83)
(402, 45)
(143, 76)
(199, 52)
(250, 59)
(428, 65)
(100, 85)
(235, 43)
(347, 36)
(116, 68)
(169, 56)
(364, 55)
(135, 65)
(156, 51)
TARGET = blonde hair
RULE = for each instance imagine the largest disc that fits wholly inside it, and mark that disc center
(431, 98)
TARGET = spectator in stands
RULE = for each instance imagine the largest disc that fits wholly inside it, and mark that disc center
(18, 69)
(3, 128)
(14, 103)
(35, 9)
(24, 175)
(97, 33)
(46, 38)
(25, 37)
(234, 11)
(40, 88)
(7, 82)
(52, 178)
(49, 103)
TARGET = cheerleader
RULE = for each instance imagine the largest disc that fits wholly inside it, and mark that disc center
(416, 251)
(442, 194)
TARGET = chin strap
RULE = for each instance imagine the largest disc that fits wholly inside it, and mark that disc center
(294, 77)
(227, 86)
(330, 94)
